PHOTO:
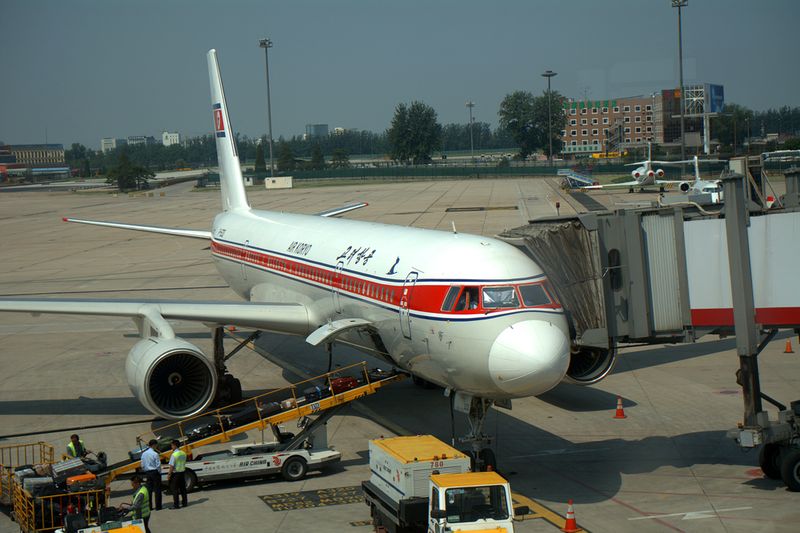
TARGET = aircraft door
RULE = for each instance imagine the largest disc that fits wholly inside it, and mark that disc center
(405, 300)
(337, 283)
(244, 259)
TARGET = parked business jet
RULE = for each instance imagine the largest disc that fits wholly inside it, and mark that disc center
(472, 314)
(648, 173)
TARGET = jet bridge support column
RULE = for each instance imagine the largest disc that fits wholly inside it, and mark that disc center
(792, 196)
(736, 222)
(779, 457)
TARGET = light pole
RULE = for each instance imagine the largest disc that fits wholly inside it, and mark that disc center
(679, 4)
(266, 44)
(549, 74)
(470, 105)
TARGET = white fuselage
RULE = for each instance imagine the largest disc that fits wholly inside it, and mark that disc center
(398, 279)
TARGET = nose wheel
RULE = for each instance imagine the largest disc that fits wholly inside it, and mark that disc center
(482, 457)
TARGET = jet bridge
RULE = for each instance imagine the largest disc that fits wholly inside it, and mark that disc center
(660, 274)
(673, 274)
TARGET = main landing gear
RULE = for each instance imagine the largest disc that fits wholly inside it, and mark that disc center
(229, 389)
(481, 455)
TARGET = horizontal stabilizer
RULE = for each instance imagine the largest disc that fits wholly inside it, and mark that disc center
(342, 210)
(180, 232)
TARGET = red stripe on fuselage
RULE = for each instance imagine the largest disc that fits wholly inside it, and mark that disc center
(425, 297)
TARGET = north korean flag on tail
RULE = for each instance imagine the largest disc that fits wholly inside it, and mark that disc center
(219, 121)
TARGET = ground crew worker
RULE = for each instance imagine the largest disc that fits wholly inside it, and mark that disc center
(151, 466)
(76, 448)
(177, 475)
(139, 508)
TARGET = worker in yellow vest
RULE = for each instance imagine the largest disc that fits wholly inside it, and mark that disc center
(76, 448)
(177, 475)
(139, 508)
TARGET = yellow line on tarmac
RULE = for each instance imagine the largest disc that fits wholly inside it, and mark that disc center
(540, 511)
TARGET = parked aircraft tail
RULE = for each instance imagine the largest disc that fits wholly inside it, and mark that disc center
(231, 183)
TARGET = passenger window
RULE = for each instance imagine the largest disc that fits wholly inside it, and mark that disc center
(534, 295)
(468, 299)
(500, 298)
(450, 299)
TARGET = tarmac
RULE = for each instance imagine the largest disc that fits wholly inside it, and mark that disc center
(667, 466)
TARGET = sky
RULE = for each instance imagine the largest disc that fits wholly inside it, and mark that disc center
(81, 70)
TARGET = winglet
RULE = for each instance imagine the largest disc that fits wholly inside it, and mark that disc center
(232, 185)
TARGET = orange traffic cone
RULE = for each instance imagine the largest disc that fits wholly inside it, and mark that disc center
(570, 526)
(788, 347)
(620, 411)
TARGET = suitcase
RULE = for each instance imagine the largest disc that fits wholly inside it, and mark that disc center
(20, 475)
(29, 483)
(270, 408)
(289, 403)
(343, 384)
(65, 469)
(82, 482)
(312, 394)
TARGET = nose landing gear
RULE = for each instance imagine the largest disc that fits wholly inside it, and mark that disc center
(481, 455)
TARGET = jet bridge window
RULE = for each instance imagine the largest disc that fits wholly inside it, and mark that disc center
(500, 298)
(534, 295)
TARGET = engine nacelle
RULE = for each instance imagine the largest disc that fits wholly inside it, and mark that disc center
(635, 174)
(684, 186)
(589, 365)
(171, 377)
(650, 174)
(660, 172)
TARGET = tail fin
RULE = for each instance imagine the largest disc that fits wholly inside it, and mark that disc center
(233, 194)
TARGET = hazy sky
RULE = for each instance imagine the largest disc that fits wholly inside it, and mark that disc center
(85, 69)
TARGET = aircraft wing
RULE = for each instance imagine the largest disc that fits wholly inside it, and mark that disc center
(341, 210)
(284, 317)
(181, 232)
(613, 185)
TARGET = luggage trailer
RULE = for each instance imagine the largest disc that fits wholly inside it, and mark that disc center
(318, 397)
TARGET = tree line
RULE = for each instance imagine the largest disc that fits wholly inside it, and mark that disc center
(414, 136)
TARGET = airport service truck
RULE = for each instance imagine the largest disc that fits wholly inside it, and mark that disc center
(420, 483)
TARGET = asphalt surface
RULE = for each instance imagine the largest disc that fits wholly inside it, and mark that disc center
(667, 467)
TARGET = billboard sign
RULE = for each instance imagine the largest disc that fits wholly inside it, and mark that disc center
(715, 98)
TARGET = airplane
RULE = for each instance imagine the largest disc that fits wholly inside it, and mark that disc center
(471, 314)
(701, 186)
(647, 174)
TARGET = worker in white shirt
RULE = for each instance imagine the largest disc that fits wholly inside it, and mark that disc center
(151, 466)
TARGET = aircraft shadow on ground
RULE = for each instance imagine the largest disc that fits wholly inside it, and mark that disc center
(75, 406)
(540, 463)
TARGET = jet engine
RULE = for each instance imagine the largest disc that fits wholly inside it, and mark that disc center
(660, 172)
(589, 365)
(171, 377)
(650, 174)
(635, 174)
(684, 186)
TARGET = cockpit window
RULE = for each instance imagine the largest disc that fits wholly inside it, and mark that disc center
(500, 298)
(534, 295)
(450, 299)
(468, 299)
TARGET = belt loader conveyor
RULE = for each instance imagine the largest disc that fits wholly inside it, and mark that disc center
(223, 431)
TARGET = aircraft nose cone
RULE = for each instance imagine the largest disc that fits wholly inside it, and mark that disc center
(529, 358)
